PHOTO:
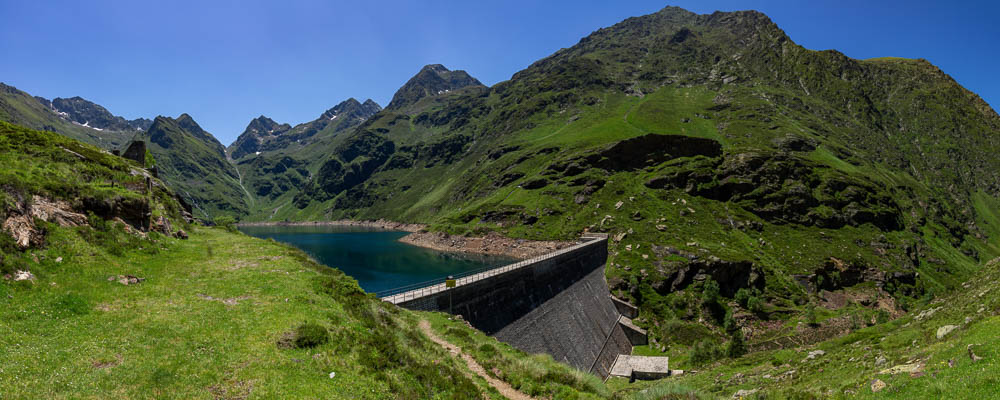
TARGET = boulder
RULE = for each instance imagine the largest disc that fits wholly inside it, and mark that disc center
(136, 152)
(945, 330)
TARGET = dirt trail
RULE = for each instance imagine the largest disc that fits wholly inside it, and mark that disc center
(497, 384)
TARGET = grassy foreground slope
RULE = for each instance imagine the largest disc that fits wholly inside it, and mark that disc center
(103, 299)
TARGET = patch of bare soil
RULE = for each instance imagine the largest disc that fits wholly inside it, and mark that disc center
(505, 389)
(102, 364)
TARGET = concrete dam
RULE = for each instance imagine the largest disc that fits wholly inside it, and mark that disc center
(558, 304)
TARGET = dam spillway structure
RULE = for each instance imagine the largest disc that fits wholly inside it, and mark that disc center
(557, 303)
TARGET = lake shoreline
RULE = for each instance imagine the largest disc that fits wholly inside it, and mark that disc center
(378, 224)
(490, 244)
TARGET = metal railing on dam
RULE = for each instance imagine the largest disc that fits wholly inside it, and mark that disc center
(415, 291)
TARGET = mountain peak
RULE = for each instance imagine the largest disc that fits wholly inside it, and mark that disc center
(432, 80)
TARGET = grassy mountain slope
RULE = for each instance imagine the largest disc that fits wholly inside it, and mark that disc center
(194, 163)
(20, 108)
(218, 315)
(718, 154)
(906, 355)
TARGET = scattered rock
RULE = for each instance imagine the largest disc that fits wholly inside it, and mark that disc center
(332, 374)
(945, 330)
(23, 276)
(972, 355)
(905, 368)
(926, 314)
(815, 353)
(619, 205)
(58, 259)
(878, 385)
(606, 218)
(661, 228)
(126, 279)
(880, 360)
(744, 393)
(232, 301)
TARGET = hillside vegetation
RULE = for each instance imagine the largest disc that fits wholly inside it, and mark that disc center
(195, 165)
(719, 155)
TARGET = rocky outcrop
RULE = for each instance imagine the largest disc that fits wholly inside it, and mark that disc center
(639, 152)
(732, 275)
(432, 80)
(782, 188)
(836, 274)
(20, 222)
(136, 151)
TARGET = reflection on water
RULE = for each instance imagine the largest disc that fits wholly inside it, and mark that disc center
(375, 257)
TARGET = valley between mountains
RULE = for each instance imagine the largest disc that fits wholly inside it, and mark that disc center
(790, 223)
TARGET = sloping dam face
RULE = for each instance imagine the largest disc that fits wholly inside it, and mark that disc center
(557, 304)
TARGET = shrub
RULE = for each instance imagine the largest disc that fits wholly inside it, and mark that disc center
(226, 222)
(705, 352)
(728, 323)
(310, 335)
(710, 293)
(149, 160)
(882, 316)
(755, 305)
(811, 316)
(737, 346)
(488, 350)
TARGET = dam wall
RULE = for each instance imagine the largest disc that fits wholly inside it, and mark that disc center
(556, 304)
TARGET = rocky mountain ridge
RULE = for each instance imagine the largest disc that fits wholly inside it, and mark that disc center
(86, 113)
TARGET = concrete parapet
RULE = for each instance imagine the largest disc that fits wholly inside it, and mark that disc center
(635, 334)
(625, 308)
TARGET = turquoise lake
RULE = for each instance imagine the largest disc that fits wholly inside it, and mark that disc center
(375, 257)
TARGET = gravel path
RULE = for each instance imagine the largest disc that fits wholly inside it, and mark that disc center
(504, 389)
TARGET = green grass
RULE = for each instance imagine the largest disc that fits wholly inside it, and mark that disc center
(206, 323)
(676, 111)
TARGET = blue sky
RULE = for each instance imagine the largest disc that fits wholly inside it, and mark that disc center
(226, 62)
